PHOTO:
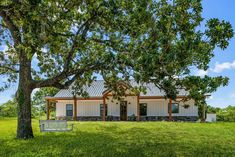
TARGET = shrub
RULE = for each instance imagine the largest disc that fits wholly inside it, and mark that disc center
(8, 109)
(227, 114)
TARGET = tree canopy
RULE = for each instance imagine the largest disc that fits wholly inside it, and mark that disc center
(56, 43)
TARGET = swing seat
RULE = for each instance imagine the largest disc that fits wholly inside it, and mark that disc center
(54, 126)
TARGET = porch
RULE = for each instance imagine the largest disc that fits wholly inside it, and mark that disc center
(128, 108)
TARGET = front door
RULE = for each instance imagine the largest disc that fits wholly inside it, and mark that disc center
(123, 110)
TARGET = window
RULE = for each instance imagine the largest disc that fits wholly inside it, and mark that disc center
(175, 108)
(143, 109)
(101, 109)
(69, 110)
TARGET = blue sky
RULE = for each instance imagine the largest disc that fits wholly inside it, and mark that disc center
(222, 64)
(224, 61)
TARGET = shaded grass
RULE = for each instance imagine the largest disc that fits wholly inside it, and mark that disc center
(123, 139)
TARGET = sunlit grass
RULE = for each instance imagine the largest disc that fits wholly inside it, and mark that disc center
(123, 139)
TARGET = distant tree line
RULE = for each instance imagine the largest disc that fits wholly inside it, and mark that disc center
(9, 109)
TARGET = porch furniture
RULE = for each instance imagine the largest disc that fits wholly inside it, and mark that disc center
(54, 126)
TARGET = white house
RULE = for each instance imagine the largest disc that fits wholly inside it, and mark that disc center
(151, 106)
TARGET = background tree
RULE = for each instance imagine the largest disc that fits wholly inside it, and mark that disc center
(211, 109)
(226, 114)
(39, 102)
(8, 109)
(69, 41)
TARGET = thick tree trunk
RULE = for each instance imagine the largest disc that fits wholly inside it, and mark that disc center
(203, 113)
(24, 128)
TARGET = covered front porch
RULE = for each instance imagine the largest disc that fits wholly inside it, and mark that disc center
(127, 108)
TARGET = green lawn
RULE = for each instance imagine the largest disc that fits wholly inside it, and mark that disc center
(123, 139)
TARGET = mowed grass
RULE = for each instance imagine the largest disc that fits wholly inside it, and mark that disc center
(137, 139)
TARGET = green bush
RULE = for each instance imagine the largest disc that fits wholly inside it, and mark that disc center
(227, 114)
(8, 109)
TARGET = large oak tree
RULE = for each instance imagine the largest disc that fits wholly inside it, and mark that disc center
(53, 43)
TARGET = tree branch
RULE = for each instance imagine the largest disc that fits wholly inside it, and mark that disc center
(85, 26)
(3, 26)
(7, 68)
(111, 44)
(12, 27)
(56, 80)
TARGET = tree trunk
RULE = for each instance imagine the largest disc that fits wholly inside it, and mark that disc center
(24, 128)
(204, 113)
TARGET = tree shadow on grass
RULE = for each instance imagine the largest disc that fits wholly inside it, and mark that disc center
(105, 141)
(109, 142)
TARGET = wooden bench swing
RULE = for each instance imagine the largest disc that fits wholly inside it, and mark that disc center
(54, 126)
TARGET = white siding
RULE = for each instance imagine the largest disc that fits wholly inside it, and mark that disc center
(155, 107)
(132, 107)
(61, 107)
(159, 107)
(191, 111)
(84, 107)
(88, 108)
(114, 105)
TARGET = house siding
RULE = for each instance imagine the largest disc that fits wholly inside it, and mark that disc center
(114, 106)
(159, 107)
(155, 108)
(61, 107)
(88, 108)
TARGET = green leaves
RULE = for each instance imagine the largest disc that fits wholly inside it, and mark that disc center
(173, 44)
(149, 41)
(8, 109)
(38, 98)
(219, 32)
(200, 87)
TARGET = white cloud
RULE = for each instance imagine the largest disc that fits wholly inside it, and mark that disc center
(201, 72)
(223, 66)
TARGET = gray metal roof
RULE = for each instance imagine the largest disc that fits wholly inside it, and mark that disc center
(97, 88)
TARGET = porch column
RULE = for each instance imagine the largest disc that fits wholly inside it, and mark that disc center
(75, 109)
(48, 109)
(104, 108)
(170, 109)
(138, 108)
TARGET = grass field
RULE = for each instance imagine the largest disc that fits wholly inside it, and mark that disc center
(137, 139)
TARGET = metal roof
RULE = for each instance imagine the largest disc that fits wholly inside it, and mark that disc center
(97, 88)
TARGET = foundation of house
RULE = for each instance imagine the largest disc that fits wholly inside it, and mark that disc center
(132, 118)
